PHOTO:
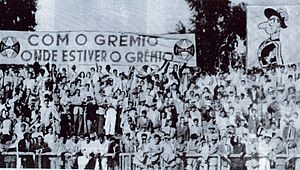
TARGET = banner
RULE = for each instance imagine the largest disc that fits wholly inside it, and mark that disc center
(273, 35)
(91, 47)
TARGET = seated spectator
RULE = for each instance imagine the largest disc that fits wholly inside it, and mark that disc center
(41, 161)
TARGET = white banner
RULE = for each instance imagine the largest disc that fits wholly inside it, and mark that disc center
(91, 47)
(273, 35)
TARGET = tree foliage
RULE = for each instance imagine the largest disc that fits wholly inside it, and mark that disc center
(18, 15)
(216, 23)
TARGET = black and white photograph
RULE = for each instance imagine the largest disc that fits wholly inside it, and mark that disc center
(150, 84)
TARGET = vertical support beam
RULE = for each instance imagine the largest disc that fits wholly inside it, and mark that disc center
(219, 162)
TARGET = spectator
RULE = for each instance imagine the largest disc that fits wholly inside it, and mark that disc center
(279, 149)
(41, 161)
(240, 149)
(190, 107)
(25, 145)
(155, 151)
(193, 147)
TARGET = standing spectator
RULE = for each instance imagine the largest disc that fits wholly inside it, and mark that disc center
(71, 150)
(225, 151)
(90, 118)
(77, 100)
(182, 129)
(214, 149)
(193, 147)
(101, 150)
(128, 145)
(168, 153)
(143, 121)
(155, 151)
(41, 161)
(25, 145)
(289, 132)
(280, 148)
(58, 148)
(110, 120)
(7, 145)
(265, 149)
(86, 160)
(141, 156)
(251, 150)
(114, 150)
(181, 147)
(239, 149)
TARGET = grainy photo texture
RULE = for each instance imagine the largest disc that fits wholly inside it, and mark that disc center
(140, 85)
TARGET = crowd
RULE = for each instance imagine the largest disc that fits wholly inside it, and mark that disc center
(162, 116)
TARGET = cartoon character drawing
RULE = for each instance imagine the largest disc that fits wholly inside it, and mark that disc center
(269, 52)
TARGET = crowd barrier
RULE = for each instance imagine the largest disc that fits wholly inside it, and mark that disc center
(128, 164)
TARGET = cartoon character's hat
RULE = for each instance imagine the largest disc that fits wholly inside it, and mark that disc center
(280, 13)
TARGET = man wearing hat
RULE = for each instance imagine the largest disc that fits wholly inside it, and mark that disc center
(269, 52)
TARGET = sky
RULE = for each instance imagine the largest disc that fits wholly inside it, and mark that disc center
(144, 16)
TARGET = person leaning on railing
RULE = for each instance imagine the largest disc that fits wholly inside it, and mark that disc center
(25, 145)
(168, 155)
(280, 148)
(71, 150)
(225, 150)
(251, 150)
(7, 144)
(181, 147)
(141, 156)
(41, 147)
(193, 147)
(155, 152)
(114, 150)
(239, 148)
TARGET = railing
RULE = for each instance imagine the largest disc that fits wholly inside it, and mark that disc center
(126, 159)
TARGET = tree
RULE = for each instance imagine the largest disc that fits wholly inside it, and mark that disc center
(18, 15)
(216, 24)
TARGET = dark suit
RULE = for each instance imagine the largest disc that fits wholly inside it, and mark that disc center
(42, 161)
(143, 122)
(289, 133)
(183, 131)
(26, 161)
(238, 163)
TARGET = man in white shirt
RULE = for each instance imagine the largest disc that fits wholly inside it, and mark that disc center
(100, 149)
(110, 121)
(87, 149)
(71, 150)
(265, 149)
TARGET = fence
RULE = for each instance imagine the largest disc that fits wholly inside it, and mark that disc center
(126, 159)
